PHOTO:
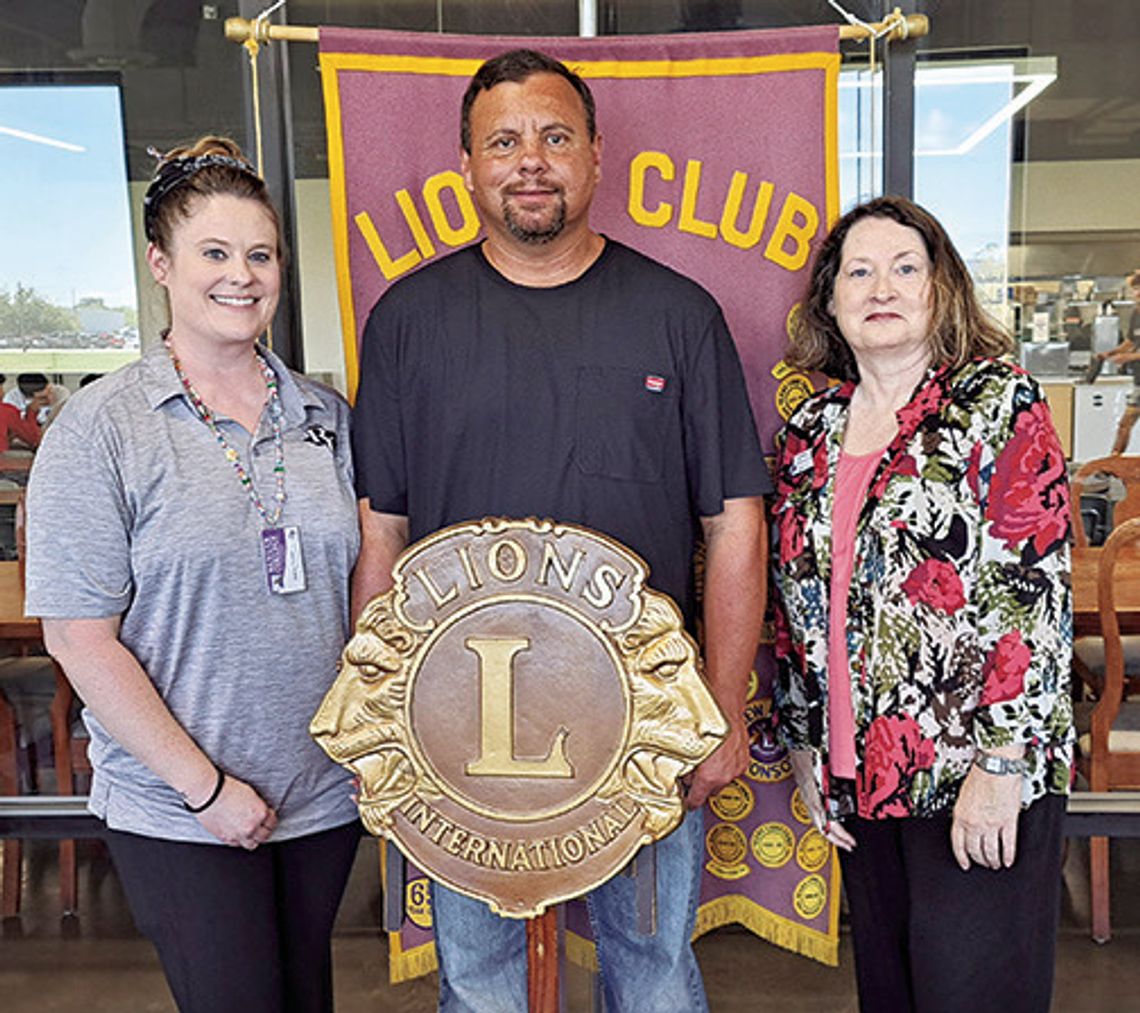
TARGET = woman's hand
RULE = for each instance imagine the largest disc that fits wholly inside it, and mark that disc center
(984, 828)
(120, 694)
(239, 816)
(803, 767)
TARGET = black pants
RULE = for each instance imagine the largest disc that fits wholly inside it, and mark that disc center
(241, 931)
(930, 938)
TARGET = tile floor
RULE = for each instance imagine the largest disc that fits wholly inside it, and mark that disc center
(98, 963)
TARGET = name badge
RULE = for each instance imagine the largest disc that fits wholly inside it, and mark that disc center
(801, 462)
(284, 565)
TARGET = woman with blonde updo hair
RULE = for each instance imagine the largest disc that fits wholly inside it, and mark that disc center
(191, 530)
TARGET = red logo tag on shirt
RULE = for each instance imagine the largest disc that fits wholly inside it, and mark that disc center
(655, 383)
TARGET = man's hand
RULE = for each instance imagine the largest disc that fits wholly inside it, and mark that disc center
(729, 761)
(736, 568)
(41, 399)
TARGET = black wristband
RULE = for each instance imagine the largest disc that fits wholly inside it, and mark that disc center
(213, 795)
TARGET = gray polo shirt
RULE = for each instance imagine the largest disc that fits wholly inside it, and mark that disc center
(134, 511)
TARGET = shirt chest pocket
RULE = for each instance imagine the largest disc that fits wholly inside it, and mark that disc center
(625, 420)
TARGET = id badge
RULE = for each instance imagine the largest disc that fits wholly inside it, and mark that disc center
(801, 462)
(284, 565)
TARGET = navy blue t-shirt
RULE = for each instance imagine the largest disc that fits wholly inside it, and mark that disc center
(615, 401)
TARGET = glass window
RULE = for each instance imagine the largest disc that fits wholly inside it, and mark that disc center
(1047, 197)
(964, 152)
(67, 276)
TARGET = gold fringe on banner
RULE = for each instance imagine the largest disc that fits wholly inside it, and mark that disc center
(735, 909)
(404, 965)
(582, 953)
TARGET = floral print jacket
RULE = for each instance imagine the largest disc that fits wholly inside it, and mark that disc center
(960, 610)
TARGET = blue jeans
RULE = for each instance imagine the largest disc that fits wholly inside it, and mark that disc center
(482, 957)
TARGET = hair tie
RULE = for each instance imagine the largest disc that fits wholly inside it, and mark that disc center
(219, 784)
(173, 173)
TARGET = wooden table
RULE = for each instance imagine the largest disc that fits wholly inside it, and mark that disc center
(15, 629)
(1086, 620)
(16, 461)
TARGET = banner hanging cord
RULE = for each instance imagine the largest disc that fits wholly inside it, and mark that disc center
(252, 46)
(895, 20)
(271, 9)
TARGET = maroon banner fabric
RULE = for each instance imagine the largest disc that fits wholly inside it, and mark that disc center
(719, 159)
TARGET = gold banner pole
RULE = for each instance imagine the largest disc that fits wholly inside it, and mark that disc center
(896, 27)
(260, 30)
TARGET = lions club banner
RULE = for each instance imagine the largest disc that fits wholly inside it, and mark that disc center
(720, 160)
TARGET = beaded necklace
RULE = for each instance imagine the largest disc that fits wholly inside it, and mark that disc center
(273, 398)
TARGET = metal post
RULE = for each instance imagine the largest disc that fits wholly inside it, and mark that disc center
(898, 109)
(645, 890)
(277, 135)
(587, 18)
(395, 883)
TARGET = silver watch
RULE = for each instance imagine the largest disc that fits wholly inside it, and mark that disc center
(999, 764)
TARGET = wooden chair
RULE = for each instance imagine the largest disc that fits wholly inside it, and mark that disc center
(1088, 652)
(69, 748)
(27, 689)
(9, 785)
(1125, 467)
(36, 697)
(1110, 729)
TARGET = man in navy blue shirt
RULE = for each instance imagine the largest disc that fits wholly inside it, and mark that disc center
(550, 371)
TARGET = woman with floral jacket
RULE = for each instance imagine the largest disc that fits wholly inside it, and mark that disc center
(924, 621)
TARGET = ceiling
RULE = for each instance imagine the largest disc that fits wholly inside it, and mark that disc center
(181, 78)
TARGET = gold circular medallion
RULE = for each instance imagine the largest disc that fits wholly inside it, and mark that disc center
(773, 844)
(810, 897)
(726, 844)
(813, 851)
(418, 902)
(733, 802)
(518, 709)
(791, 319)
(728, 848)
(757, 711)
(714, 868)
(793, 391)
(799, 807)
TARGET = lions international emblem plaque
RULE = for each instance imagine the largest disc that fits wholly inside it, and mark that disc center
(519, 709)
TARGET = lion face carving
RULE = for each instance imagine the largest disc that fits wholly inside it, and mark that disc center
(676, 722)
(360, 722)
